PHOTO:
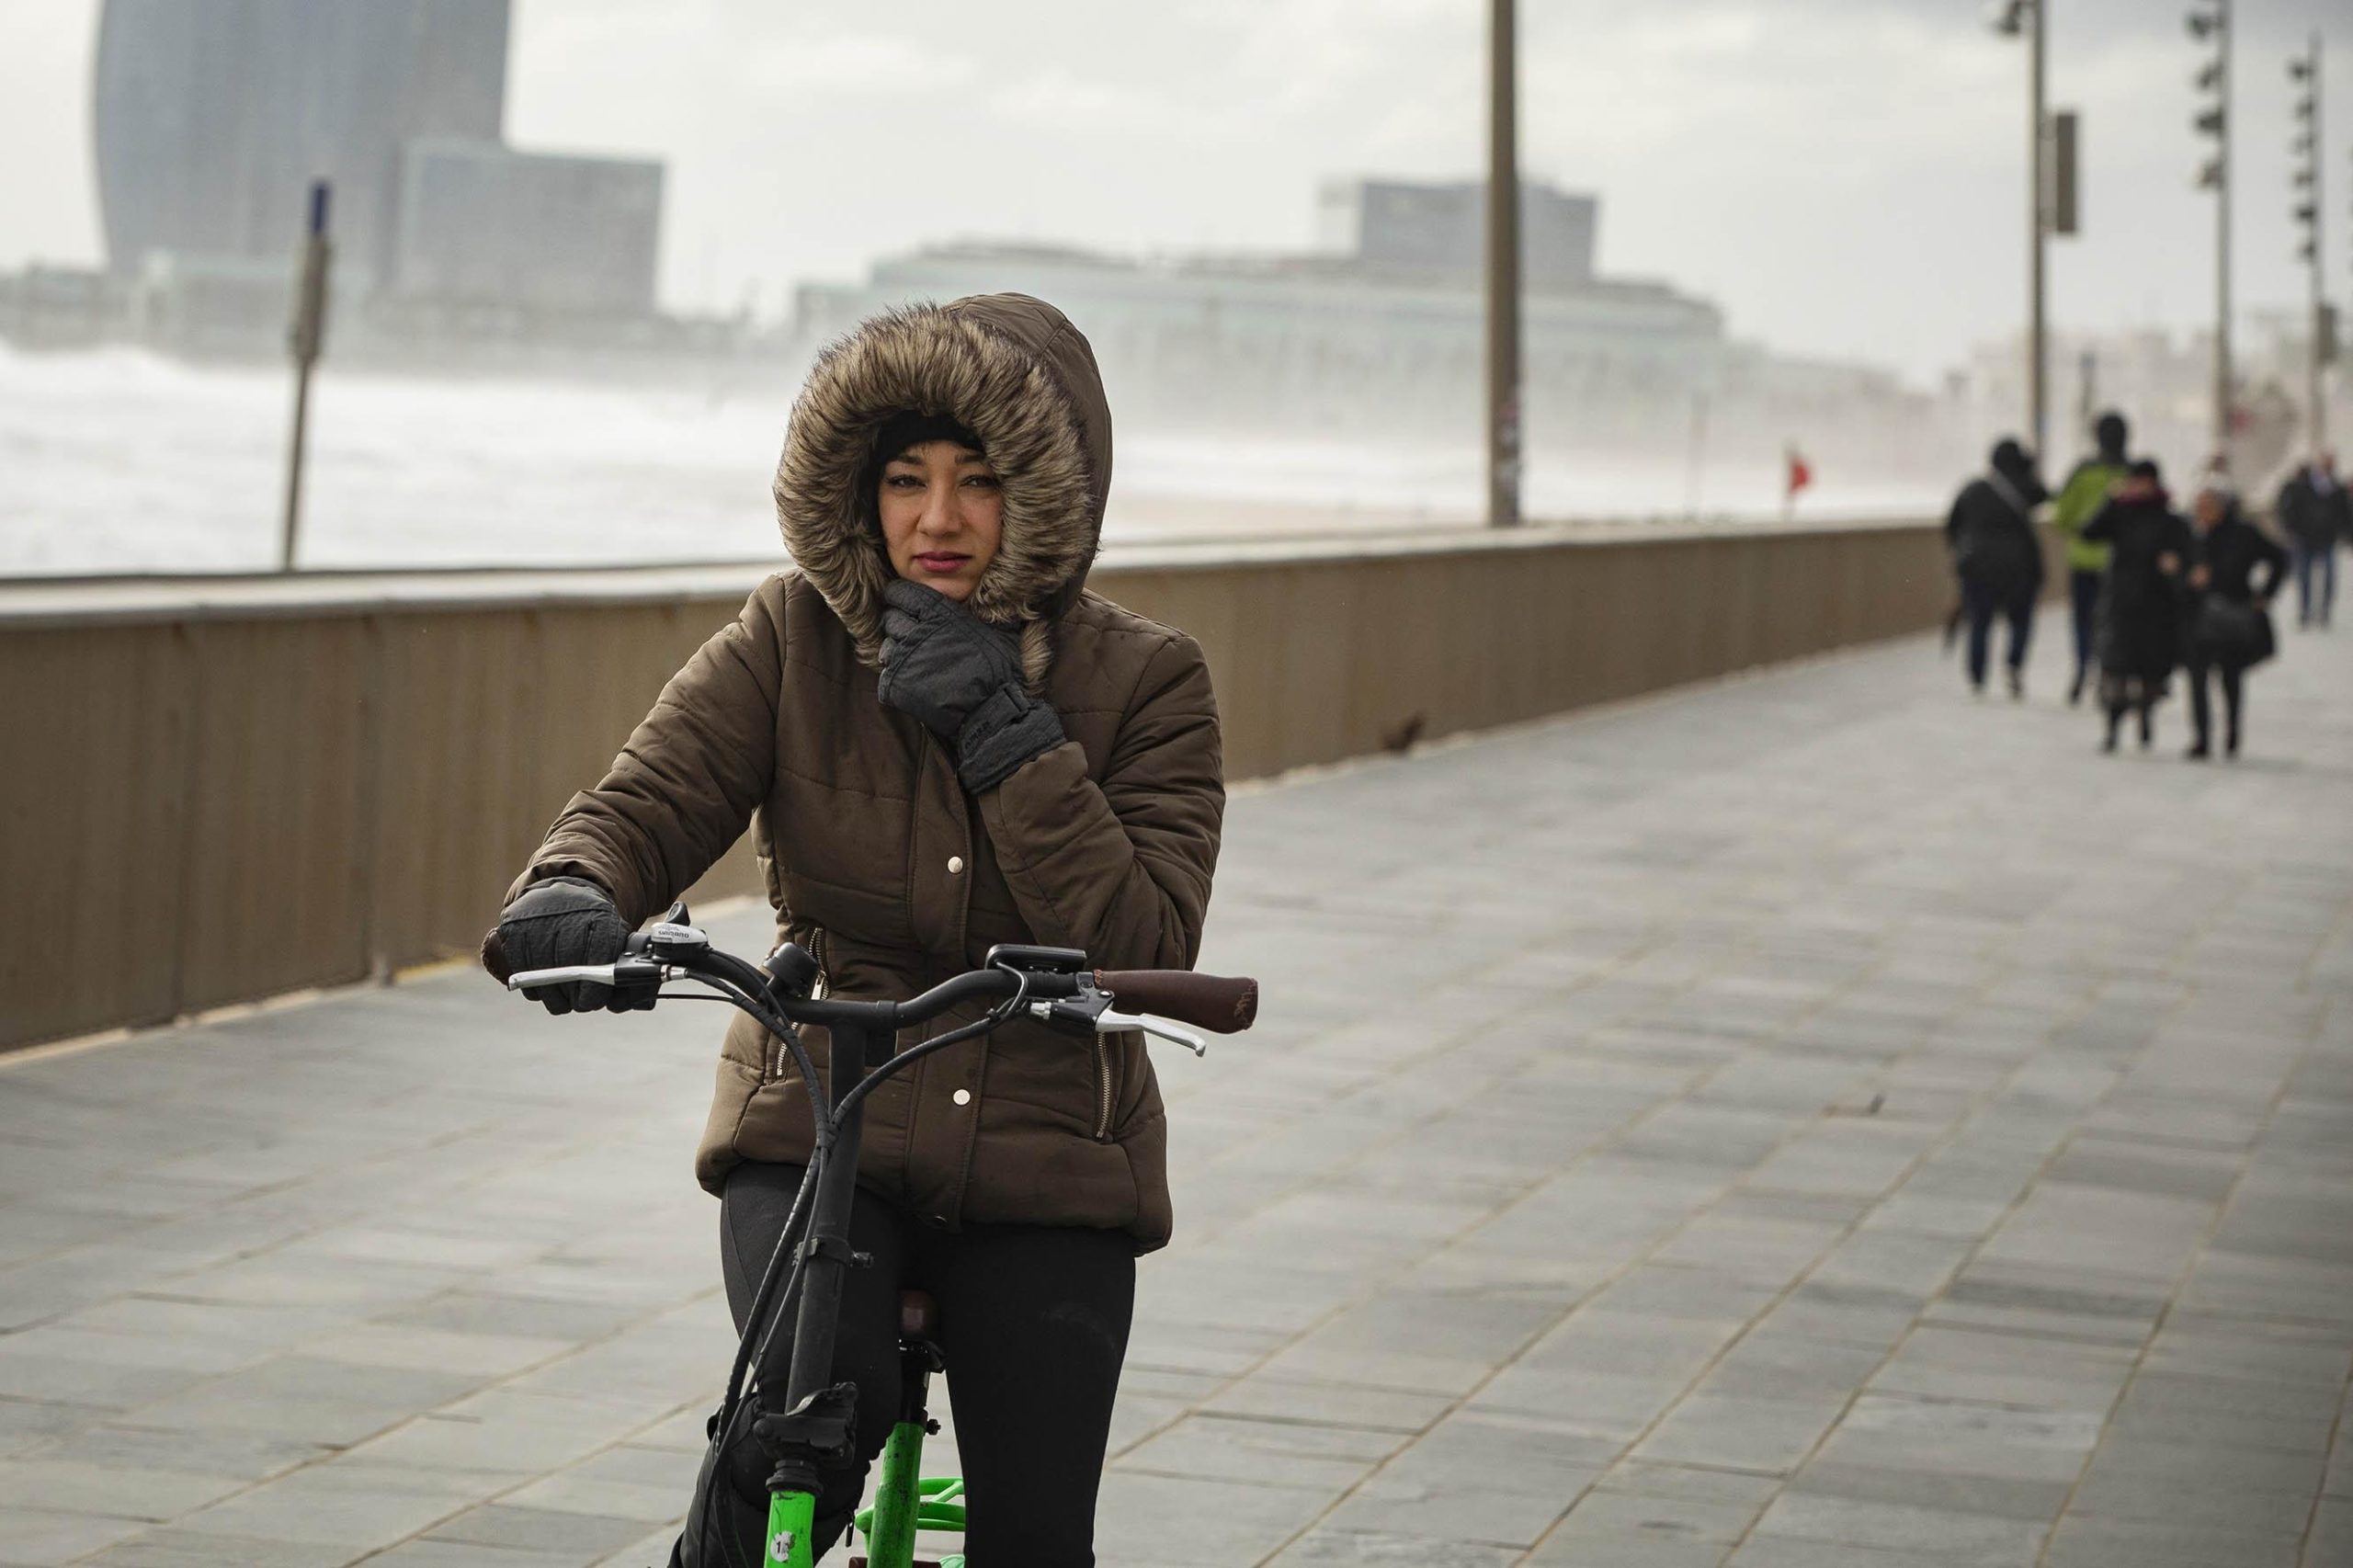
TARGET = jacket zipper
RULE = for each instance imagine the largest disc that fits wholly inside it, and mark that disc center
(1103, 1087)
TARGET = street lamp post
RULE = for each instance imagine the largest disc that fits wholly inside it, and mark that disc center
(2038, 233)
(2214, 21)
(1503, 269)
(2031, 17)
(2306, 72)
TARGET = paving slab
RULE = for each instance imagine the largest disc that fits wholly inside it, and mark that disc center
(1814, 1120)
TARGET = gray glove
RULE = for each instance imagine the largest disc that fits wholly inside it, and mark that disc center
(960, 677)
(553, 924)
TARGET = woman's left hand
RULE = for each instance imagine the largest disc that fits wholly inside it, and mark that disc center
(961, 679)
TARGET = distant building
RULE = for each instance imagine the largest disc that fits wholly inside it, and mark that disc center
(480, 223)
(213, 117)
(1388, 337)
(1441, 229)
(1313, 342)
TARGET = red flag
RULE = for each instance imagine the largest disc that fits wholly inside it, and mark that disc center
(1801, 475)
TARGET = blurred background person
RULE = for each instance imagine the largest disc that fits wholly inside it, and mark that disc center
(2140, 598)
(1996, 555)
(2234, 572)
(2315, 514)
(2080, 499)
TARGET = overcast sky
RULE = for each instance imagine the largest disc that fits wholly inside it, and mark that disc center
(1846, 176)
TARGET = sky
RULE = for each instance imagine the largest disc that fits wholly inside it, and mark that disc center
(1845, 176)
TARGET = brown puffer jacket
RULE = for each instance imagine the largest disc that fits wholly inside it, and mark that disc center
(876, 859)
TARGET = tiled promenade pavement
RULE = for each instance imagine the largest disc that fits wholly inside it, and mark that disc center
(1816, 1122)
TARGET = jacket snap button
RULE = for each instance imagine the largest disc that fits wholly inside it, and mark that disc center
(962, 1097)
(955, 864)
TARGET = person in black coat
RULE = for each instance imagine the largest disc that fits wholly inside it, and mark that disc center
(2141, 601)
(2318, 516)
(2236, 570)
(1996, 554)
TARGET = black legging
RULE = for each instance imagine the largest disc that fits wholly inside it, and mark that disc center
(2083, 595)
(2201, 713)
(1982, 605)
(1033, 1320)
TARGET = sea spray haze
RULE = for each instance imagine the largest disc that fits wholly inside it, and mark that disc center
(116, 461)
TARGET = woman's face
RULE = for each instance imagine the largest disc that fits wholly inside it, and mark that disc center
(941, 511)
(2209, 508)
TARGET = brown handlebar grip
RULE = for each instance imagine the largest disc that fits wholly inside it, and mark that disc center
(1210, 1002)
(494, 957)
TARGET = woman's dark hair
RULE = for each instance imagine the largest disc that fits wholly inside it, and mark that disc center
(903, 432)
(2146, 467)
(908, 429)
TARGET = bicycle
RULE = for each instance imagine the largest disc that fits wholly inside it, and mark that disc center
(813, 1431)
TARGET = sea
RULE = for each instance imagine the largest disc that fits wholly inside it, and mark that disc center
(118, 461)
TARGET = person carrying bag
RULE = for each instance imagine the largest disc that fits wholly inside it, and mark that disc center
(2234, 569)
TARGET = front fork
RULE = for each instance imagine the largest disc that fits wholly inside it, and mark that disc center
(792, 1529)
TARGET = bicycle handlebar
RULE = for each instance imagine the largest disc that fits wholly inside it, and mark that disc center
(1045, 977)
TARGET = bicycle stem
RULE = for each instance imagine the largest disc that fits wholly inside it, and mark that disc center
(826, 1256)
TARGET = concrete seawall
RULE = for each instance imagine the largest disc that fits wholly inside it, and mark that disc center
(225, 789)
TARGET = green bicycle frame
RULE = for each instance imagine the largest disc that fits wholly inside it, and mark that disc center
(793, 1530)
(905, 1503)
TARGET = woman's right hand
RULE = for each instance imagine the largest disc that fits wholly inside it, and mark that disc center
(553, 924)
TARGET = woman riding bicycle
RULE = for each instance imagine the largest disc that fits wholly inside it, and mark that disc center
(942, 742)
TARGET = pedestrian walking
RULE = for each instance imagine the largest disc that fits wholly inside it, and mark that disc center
(2235, 570)
(1998, 559)
(2140, 598)
(2080, 499)
(2318, 515)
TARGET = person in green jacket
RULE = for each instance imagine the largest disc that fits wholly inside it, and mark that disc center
(2080, 500)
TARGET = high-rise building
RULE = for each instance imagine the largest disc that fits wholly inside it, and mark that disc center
(213, 117)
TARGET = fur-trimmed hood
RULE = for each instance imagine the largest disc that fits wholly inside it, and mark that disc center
(1019, 375)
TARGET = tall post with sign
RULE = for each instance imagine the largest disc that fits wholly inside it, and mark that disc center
(2050, 184)
(2213, 21)
(2038, 373)
(2062, 207)
(2305, 73)
(1503, 269)
(307, 336)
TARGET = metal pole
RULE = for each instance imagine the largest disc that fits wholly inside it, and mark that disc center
(2223, 377)
(2038, 370)
(1503, 269)
(2315, 393)
(1698, 457)
(305, 339)
(2086, 395)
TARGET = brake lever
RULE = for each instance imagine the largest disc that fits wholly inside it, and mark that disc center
(1091, 1012)
(1110, 1021)
(628, 972)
